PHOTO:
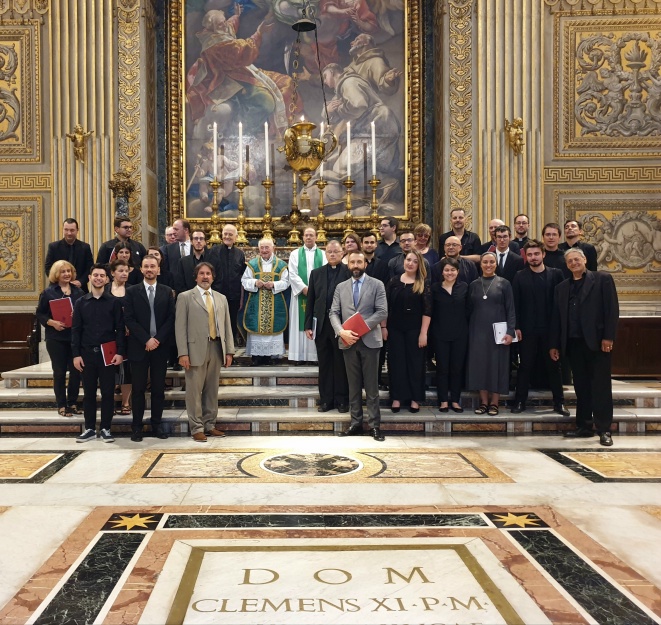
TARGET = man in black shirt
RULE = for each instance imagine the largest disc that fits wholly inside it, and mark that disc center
(521, 226)
(573, 234)
(533, 290)
(97, 320)
(184, 279)
(584, 325)
(467, 268)
(388, 247)
(71, 249)
(376, 268)
(396, 263)
(470, 242)
(123, 232)
(554, 257)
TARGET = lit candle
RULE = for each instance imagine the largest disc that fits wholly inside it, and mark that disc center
(321, 136)
(266, 146)
(215, 150)
(349, 149)
(373, 150)
(240, 150)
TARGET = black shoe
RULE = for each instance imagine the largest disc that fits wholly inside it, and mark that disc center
(383, 387)
(343, 408)
(177, 367)
(460, 409)
(254, 361)
(353, 430)
(376, 435)
(395, 408)
(446, 409)
(605, 439)
(560, 409)
(579, 433)
(518, 407)
(159, 432)
(414, 410)
(136, 436)
(324, 407)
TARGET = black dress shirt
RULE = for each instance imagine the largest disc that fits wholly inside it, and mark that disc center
(232, 264)
(78, 254)
(575, 329)
(556, 259)
(590, 255)
(377, 268)
(449, 317)
(385, 252)
(470, 242)
(332, 277)
(96, 321)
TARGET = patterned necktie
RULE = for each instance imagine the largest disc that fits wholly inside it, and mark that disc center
(152, 316)
(501, 261)
(356, 293)
(183, 249)
(212, 318)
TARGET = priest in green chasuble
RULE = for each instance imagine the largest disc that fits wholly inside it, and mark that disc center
(301, 262)
(265, 314)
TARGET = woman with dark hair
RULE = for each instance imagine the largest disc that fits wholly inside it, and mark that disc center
(422, 235)
(165, 276)
(58, 336)
(120, 270)
(122, 251)
(449, 324)
(490, 300)
(409, 314)
(350, 243)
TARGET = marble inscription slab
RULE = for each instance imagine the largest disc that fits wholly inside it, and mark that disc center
(610, 465)
(445, 466)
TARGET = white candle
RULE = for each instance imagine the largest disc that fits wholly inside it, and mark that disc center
(349, 149)
(266, 147)
(215, 150)
(373, 150)
(321, 136)
(240, 150)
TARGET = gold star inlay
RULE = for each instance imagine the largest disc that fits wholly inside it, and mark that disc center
(519, 520)
(136, 520)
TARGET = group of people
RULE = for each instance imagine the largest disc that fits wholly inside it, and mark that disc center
(476, 307)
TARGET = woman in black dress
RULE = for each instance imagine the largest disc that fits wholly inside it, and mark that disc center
(449, 323)
(122, 251)
(409, 314)
(58, 336)
(120, 271)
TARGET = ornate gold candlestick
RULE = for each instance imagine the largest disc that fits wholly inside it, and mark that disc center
(267, 232)
(214, 232)
(348, 217)
(294, 216)
(241, 238)
(321, 218)
(374, 215)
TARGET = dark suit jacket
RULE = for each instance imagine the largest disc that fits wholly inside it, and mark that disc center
(232, 264)
(590, 256)
(172, 254)
(137, 316)
(138, 251)
(514, 247)
(513, 264)
(317, 292)
(522, 286)
(378, 269)
(599, 309)
(81, 259)
(183, 275)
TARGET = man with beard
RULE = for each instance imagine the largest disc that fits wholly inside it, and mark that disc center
(573, 235)
(367, 296)
(470, 242)
(73, 250)
(184, 278)
(533, 290)
(521, 227)
(370, 63)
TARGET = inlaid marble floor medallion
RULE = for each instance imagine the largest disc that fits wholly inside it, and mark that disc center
(611, 465)
(479, 566)
(423, 465)
(32, 467)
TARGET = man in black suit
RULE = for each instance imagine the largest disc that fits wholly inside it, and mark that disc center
(584, 326)
(149, 316)
(123, 232)
(231, 263)
(573, 234)
(181, 246)
(184, 279)
(396, 263)
(376, 268)
(521, 227)
(333, 385)
(508, 263)
(490, 245)
(533, 290)
(69, 248)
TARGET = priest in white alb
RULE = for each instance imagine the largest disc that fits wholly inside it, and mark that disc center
(301, 263)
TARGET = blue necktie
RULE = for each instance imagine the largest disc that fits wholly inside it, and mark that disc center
(356, 293)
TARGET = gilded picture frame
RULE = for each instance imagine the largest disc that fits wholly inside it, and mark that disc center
(191, 111)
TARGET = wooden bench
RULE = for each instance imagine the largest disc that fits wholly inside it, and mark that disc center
(20, 334)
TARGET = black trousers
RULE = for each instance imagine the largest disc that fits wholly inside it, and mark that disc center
(233, 305)
(362, 365)
(592, 383)
(95, 372)
(406, 365)
(155, 363)
(62, 360)
(533, 348)
(450, 361)
(333, 384)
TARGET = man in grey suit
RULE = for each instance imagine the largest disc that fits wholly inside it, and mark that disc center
(204, 343)
(367, 296)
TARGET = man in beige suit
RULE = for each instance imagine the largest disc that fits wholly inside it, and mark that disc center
(204, 343)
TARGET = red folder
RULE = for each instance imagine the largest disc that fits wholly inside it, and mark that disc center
(62, 310)
(108, 350)
(356, 324)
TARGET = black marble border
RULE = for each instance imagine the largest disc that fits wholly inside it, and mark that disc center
(593, 476)
(47, 472)
(585, 584)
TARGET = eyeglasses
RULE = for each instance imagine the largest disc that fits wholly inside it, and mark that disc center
(127, 227)
(502, 236)
(199, 238)
(520, 223)
(452, 244)
(407, 240)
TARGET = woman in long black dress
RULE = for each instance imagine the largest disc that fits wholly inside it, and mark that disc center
(409, 315)
(58, 336)
(449, 324)
(490, 301)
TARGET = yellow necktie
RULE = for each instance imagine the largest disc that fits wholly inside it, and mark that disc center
(212, 318)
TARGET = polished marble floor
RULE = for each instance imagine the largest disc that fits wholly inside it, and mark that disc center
(320, 530)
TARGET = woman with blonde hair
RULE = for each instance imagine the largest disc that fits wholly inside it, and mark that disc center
(422, 236)
(409, 314)
(58, 336)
